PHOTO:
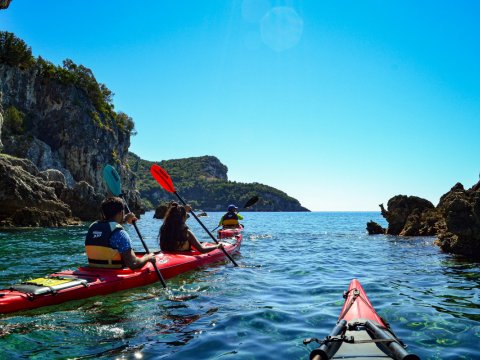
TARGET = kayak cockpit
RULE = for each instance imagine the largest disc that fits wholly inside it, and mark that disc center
(360, 333)
(361, 339)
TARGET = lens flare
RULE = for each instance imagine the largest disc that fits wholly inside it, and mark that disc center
(281, 28)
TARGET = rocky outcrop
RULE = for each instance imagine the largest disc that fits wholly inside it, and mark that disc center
(455, 220)
(405, 214)
(160, 211)
(27, 199)
(83, 200)
(374, 228)
(459, 230)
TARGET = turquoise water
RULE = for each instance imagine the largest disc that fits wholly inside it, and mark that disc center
(293, 270)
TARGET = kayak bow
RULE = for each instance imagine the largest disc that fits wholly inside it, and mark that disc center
(86, 282)
(360, 333)
(228, 233)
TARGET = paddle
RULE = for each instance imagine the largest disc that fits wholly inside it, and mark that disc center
(249, 203)
(165, 182)
(112, 179)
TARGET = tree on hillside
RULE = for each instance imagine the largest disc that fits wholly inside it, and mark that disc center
(14, 51)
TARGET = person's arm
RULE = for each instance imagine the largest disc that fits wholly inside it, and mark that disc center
(134, 262)
(240, 217)
(221, 221)
(121, 241)
(197, 245)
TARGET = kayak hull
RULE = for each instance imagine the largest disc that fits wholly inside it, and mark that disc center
(98, 281)
(229, 233)
(360, 333)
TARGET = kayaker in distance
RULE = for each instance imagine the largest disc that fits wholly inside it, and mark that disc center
(230, 219)
(174, 234)
(107, 244)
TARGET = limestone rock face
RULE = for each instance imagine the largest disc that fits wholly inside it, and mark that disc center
(83, 201)
(53, 175)
(63, 127)
(26, 198)
(66, 140)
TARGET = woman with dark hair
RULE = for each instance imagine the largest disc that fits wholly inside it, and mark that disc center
(175, 235)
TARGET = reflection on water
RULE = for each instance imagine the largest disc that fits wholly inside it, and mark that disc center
(288, 287)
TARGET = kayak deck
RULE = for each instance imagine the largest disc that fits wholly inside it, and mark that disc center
(360, 333)
(86, 282)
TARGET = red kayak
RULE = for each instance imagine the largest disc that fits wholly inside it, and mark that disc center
(86, 282)
(360, 333)
(228, 233)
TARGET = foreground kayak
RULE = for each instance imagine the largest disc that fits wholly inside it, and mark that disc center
(86, 282)
(360, 333)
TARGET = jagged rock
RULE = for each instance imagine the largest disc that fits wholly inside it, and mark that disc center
(83, 201)
(455, 221)
(400, 207)
(421, 223)
(53, 175)
(160, 211)
(374, 229)
(22, 190)
(35, 217)
(459, 232)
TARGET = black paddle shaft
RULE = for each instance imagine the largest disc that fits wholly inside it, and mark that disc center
(204, 228)
(159, 274)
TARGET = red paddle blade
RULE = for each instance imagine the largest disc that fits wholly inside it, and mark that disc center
(162, 178)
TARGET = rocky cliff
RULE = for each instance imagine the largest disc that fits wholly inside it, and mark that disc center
(455, 221)
(60, 118)
(62, 129)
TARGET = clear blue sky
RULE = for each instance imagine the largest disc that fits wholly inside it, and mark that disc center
(341, 104)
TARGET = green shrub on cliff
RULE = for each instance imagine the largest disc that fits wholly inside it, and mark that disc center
(14, 51)
(14, 121)
(82, 78)
(125, 123)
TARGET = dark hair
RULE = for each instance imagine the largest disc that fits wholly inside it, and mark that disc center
(173, 232)
(111, 206)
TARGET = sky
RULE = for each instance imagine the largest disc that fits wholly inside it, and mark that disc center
(340, 104)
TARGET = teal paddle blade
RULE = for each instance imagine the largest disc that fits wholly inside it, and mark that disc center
(112, 179)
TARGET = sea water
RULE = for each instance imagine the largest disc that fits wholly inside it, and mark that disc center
(293, 270)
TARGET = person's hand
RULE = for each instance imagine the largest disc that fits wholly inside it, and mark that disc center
(188, 208)
(151, 257)
(220, 246)
(129, 218)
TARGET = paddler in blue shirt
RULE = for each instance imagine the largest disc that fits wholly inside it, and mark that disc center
(230, 219)
(107, 244)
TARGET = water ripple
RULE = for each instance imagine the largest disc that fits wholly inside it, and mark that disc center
(288, 287)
